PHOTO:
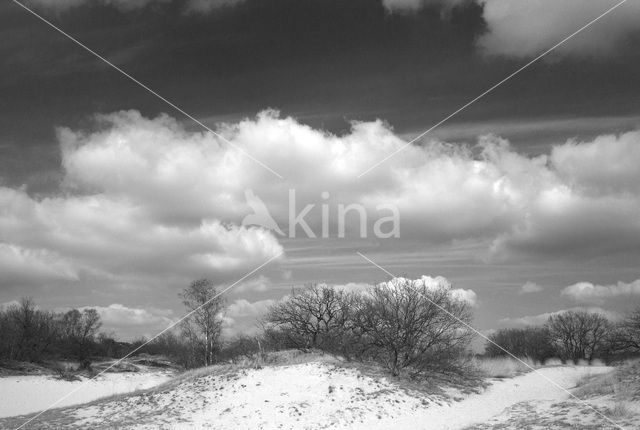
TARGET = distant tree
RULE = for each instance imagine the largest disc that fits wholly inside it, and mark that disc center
(204, 326)
(33, 331)
(578, 335)
(81, 326)
(240, 347)
(78, 330)
(530, 342)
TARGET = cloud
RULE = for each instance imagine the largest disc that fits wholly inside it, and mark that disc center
(131, 322)
(21, 266)
(530, 287)
(190, 6)
(415, 5)
(206, 6)
(586, 292)
(120, 315)
(114, 237)
(524, 28)
(124, 5)
(353, 287)
(242, 316)
(436, 284)
(6, 305)
(259, 284)
(540, 319)
(603, 166)
(147, 203)
(103, 233)
(242, 308)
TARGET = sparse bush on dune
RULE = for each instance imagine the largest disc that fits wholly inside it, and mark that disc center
(399, 325)
(414, 328)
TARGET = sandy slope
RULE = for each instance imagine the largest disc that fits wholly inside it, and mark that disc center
(312, 396)
(24, 394)
(479, 408)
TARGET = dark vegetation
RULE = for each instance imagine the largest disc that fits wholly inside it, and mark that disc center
(30, 334)
(406, 328)
(403, 327)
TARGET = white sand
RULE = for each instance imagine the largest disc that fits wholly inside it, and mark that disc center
(315, 396)
(24, 394)
(479, 408)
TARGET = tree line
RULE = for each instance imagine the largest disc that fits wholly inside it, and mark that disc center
(571, 336)
(403, 326)
(30, 334)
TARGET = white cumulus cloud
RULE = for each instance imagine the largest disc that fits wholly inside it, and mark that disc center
(437, 283)
(145, 200)
(530, 287)
(588, 292)
(525, 28)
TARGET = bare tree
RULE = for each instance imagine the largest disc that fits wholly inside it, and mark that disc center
(403, 326)
(578, 335)
(204, 326)
(315, 317)
(33, 331)
(81, 326)
(78, 331)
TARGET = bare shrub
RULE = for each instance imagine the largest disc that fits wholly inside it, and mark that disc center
(316, 317)
(65, 373)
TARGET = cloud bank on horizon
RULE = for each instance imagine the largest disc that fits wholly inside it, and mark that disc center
(587, 292)
(540, 319)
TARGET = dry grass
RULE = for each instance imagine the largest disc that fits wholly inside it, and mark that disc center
(620, 385)
(620, 410)
(600, 385)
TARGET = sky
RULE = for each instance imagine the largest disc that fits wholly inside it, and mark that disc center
(526, 202)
